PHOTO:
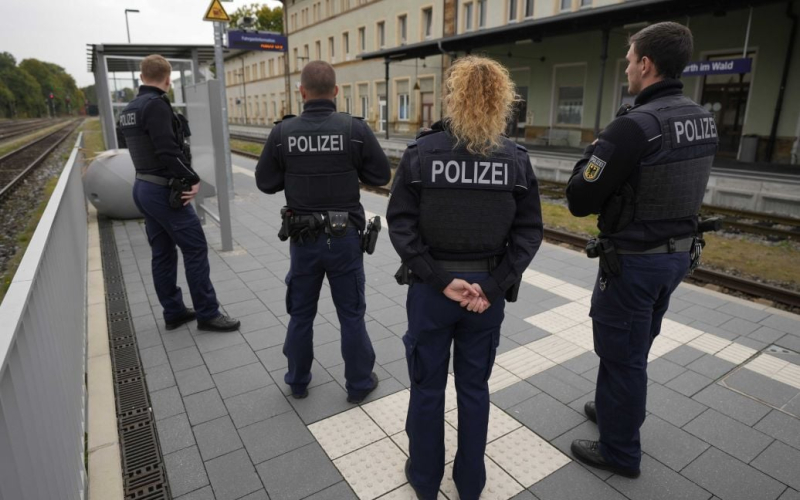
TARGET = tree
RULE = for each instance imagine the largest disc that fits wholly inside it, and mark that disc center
(27, 92)
(266, 19)
(6, 101)
(91, 93)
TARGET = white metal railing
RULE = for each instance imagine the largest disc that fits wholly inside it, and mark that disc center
(42, 353)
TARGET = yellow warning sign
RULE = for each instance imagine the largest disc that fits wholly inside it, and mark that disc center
(215, 12)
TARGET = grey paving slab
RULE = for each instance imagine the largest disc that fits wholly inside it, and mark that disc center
(275, 436)
(658, 482)
(153, 356)
(671, 406)
(789, 342)
(760, 387)
(782, 323)
(390, 316)
(730, 436)
(670, 445)
(205, 493)
(234, 295)
(706, 315)
(286, 477)
(530, 334)
(546, 416)
(339, 491)
(781, 426)
(514, 394)
(241, 380)
(329, 354)
(204, 406)
(573, 481)
(183, 359)
(325, 401)
(662, 370)
(561, 384)
(255, 406)
(211, 341)
(147, 339)
(740, 326)
(704, 299)
(272, 358)
(266, 337)
(732, 404)
(711, 366)
(233, 476)
(194, 380)
(780, 461)
(166, 402)
(793, 406)
(388, 350)
(228, 358)
(258, 495)
(399, 371)
(257, 321)
(512, 324)
(752, 343)
(179, 339)
(325, 332)
(689, 383)
(730, 479)
(174, 433)
(749, 313)
(216, 438)
(582, 363)
(319, 376)
(524, 495)
(185, 471)
(159, 377)
(790, 494)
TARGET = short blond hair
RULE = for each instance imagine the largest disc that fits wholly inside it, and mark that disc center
(479, 99)
(155, 68)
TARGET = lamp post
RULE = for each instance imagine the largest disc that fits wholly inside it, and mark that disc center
(128, 30)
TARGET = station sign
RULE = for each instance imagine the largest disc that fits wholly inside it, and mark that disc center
(256, 41)
(719, 67)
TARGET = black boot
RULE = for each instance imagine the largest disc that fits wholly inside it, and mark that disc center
(221, 323)
(358, 398)
(591, 411)
(188, 315)
(588, 452)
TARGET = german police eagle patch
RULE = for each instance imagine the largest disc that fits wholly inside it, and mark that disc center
(593, 169)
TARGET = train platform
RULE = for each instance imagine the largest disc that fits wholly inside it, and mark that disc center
(723, 399)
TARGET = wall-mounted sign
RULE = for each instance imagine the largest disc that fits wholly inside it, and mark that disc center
(719, 67)
(256, 41)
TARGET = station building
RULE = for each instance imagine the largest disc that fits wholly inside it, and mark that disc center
(567, 58)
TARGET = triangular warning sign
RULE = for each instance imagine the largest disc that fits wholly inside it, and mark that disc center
(215, 12)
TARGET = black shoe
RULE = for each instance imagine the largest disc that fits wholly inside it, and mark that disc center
(300, 395)
(221, 323)
(351, 398)
(588, 452)
(188, 315)
(408, 478)
(591, 411)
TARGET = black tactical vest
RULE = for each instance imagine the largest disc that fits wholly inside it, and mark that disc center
(672, 181)
(467, 205)
(141, 148)
(320, 174)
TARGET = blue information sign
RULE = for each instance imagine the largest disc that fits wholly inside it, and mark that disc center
(256, 41)
(719, 67)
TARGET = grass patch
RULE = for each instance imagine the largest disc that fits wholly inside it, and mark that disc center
(93, 143)
(247, 146)
(26, 139)
(25, 237)
(557, 216)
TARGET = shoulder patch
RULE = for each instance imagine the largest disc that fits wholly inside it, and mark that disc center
(593, 169)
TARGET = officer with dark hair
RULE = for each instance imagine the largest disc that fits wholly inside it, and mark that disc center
(165, 184)
(645, 175)
(318, 159)
(465, 218)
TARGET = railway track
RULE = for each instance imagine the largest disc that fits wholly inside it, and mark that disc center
(12, 129)
(18, 164)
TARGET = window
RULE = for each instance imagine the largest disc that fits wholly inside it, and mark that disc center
(345, 5)
(528, 8)
(347, 101)
(402, 107)
(402, 24)
(315, 11)
(381, 35)
(274, 109)
(346, 45)
(296, 60)
(512, 11)
(363, 94)
(331, 49)
(318, 48)
(328, 8)
(262, 67)
(427, 23)
(280, 65)
(247, 74)
(271, 67)
(364, 105)
(586, 3)
(306, 57)
(468, 16)
(570, 106)
(362, 39)
(566, 5)
(481, 14)
(228, 76)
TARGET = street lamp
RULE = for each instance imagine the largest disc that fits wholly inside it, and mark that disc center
(128, 30)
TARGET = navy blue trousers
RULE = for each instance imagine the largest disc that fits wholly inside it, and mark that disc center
(166, 229)
(434, 324)
(626, 318)
(342, 260)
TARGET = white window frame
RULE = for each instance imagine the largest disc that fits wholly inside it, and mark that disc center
(403, 108)
(427, 23)
(481, 13)
(469, 16)
(529, 4)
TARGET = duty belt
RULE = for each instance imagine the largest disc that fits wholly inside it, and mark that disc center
(153, 179)
(672, 246)
(468, 266)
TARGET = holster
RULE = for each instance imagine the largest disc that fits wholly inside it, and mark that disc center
(513, 292)
(336, 224)
(286, 215)
(404, 276)
(370, 237)
(177, 188)
(604, 249)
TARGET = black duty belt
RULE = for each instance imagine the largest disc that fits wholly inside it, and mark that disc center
(153, 179)
(673, 246)
(468, 266)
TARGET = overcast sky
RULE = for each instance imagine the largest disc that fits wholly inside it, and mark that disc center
(58, 31)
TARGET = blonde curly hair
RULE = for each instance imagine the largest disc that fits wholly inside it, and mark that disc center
(479, 99)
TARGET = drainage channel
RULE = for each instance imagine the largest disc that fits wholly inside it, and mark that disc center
(143, 471)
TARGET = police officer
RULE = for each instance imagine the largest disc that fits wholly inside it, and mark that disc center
(165, 184)
(317, 159)
(645, 175)
(465, 218)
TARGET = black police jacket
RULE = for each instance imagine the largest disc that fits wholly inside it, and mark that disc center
(449, 204)
(318, 159)
(643, 175)
(148, 125)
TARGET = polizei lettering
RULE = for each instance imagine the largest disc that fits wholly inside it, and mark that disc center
(127, 119)
(316, 144)
(490, 173)
(694, 130)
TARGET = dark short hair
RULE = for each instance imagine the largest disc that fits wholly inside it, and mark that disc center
(669, 45)
(318, 78)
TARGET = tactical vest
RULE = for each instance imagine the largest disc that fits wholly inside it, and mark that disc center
(672, 181)
(320, 174)
(467, 204)
(141, 148)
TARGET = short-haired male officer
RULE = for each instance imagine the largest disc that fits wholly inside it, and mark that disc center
(645, 175)
(154, 135)
(317, 159)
